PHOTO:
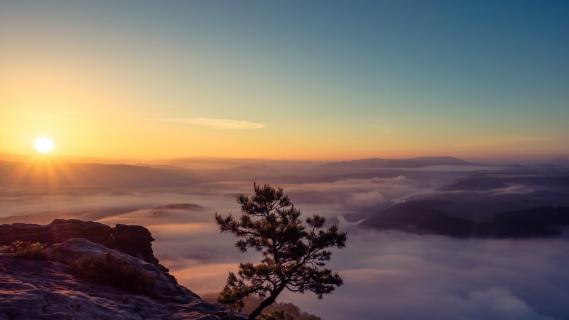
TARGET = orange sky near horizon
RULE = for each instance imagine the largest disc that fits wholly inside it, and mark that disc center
(91, 118)
(137, 89)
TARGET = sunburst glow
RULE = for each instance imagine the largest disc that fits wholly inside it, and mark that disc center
(44, 145)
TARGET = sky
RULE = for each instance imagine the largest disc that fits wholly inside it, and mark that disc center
(285, 80)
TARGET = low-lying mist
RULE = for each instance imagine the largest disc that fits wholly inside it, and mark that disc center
(387, 274)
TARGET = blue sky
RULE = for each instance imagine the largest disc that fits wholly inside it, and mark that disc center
(381, 77)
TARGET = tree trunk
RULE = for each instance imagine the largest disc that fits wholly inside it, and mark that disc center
(267, 302)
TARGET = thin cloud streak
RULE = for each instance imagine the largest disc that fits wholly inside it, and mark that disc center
(226, 124)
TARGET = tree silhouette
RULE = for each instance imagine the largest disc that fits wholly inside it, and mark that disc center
(294, 252)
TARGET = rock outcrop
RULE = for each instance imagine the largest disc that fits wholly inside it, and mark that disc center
(133, 240)
(53, 288)
(163, 284)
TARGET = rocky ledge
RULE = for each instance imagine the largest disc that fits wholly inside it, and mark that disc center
(51, 288)
(133, 240)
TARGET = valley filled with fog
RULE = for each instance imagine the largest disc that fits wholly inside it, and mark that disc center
(404, 257)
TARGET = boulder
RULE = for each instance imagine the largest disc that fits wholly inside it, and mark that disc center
(133, 240)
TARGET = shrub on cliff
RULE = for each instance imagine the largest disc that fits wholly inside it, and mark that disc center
(25, 250)
(275, 315)
(109, 270)
(251, 303)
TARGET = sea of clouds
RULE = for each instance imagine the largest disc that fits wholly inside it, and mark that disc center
(388, 275)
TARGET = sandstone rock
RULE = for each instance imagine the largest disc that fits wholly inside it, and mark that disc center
(164, 286)
(49, 290)
(133, 240)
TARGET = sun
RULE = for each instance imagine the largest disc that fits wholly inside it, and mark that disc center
(44, 145)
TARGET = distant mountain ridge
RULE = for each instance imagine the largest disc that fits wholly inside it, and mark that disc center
(562, 162)
(49, 175)
(417, 162)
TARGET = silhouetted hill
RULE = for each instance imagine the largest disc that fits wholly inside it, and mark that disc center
(560, 162)
(400, 163)
(425, 217)
(422, 217)
(531, 222)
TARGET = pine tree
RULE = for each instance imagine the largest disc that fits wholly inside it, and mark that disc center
(294, 252)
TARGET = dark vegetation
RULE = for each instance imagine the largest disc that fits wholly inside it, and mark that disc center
(286, 311)
(278, 310)
(275, 315)
(294, 251)
(25, 250)
(109, 270)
